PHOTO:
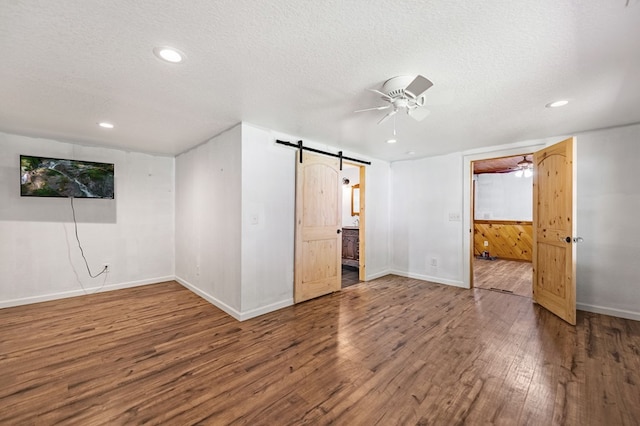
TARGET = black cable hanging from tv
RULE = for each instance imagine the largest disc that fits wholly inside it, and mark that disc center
(75, 226)
(339, 155)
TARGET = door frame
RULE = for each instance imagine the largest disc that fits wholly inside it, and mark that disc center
(473, 206)
(362, 220)
(467, 180)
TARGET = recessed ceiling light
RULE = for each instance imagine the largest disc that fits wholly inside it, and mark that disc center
(556, 104)
(105, 125)
(392, 140)
(169, 54)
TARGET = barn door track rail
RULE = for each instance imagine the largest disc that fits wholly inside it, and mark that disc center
(339, 155)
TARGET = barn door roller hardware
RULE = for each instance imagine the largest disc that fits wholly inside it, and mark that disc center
(339, 155)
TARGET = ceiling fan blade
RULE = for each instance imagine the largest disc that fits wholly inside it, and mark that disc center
(384, 95)
(419, 114)
(418, 86)
(380, 108)
(386, 117)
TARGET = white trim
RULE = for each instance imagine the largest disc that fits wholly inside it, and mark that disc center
(620, 313)
(378, 274)
(266, 309)
(437, 280)
(75, 293)
(209, 298)
(239, 315)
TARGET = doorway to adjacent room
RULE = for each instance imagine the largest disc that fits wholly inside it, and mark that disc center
(502, 224)
(353, 268)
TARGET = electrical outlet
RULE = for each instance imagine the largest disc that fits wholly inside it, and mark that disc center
(434, 261)
(486, 243)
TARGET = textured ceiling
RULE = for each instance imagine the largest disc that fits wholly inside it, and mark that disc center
(302, 67)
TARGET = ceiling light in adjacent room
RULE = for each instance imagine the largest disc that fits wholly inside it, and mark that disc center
(392, 140)
(556, 104)
(105, 125)
(525, 167)
(169, 54)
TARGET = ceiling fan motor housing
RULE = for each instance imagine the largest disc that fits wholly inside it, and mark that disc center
(395, 86)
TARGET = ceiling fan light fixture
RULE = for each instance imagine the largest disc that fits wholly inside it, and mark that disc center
(525, 168)
(525, 164)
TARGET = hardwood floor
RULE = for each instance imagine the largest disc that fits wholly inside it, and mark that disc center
(509, 276)
(396, 351)
(350, 276)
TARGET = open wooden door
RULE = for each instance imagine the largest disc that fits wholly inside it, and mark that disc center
(554, 208)
(318, 248)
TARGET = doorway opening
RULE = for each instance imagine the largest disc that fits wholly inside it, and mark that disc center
(353, 222)
(502, 227)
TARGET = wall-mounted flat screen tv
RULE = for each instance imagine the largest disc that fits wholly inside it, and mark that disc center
(55, 177)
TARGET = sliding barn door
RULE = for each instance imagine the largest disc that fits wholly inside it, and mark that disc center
(318, 248)
(554, 252)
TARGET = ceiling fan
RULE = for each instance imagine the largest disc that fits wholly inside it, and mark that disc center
(403, 92)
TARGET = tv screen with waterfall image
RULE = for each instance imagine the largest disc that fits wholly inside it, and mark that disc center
(55, 177)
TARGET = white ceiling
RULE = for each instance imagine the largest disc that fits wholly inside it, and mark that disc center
(302, 67)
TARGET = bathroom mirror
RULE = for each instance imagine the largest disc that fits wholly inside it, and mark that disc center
(355, 200)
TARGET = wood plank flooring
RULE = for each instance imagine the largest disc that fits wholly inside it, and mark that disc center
(386, 352)
(506, 275)
(350, 276)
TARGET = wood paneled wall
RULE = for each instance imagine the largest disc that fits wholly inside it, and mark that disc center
(507, 239)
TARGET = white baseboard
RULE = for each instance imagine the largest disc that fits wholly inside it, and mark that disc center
(80, 292)
(430, 278)
(620, 313)
(240, 316)
(209, 298)
(265, 309)
(378, 274)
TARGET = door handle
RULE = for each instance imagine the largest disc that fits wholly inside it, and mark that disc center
(568, 240)
(339, 231)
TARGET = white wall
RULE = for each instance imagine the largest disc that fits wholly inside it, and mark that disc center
(222, 186)
(426, 209)
(503, 196)
(608, 271)
(208, 218)
(353, 174)
(268, 222)
(134, 233)
(377, 227)
(235, 229)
